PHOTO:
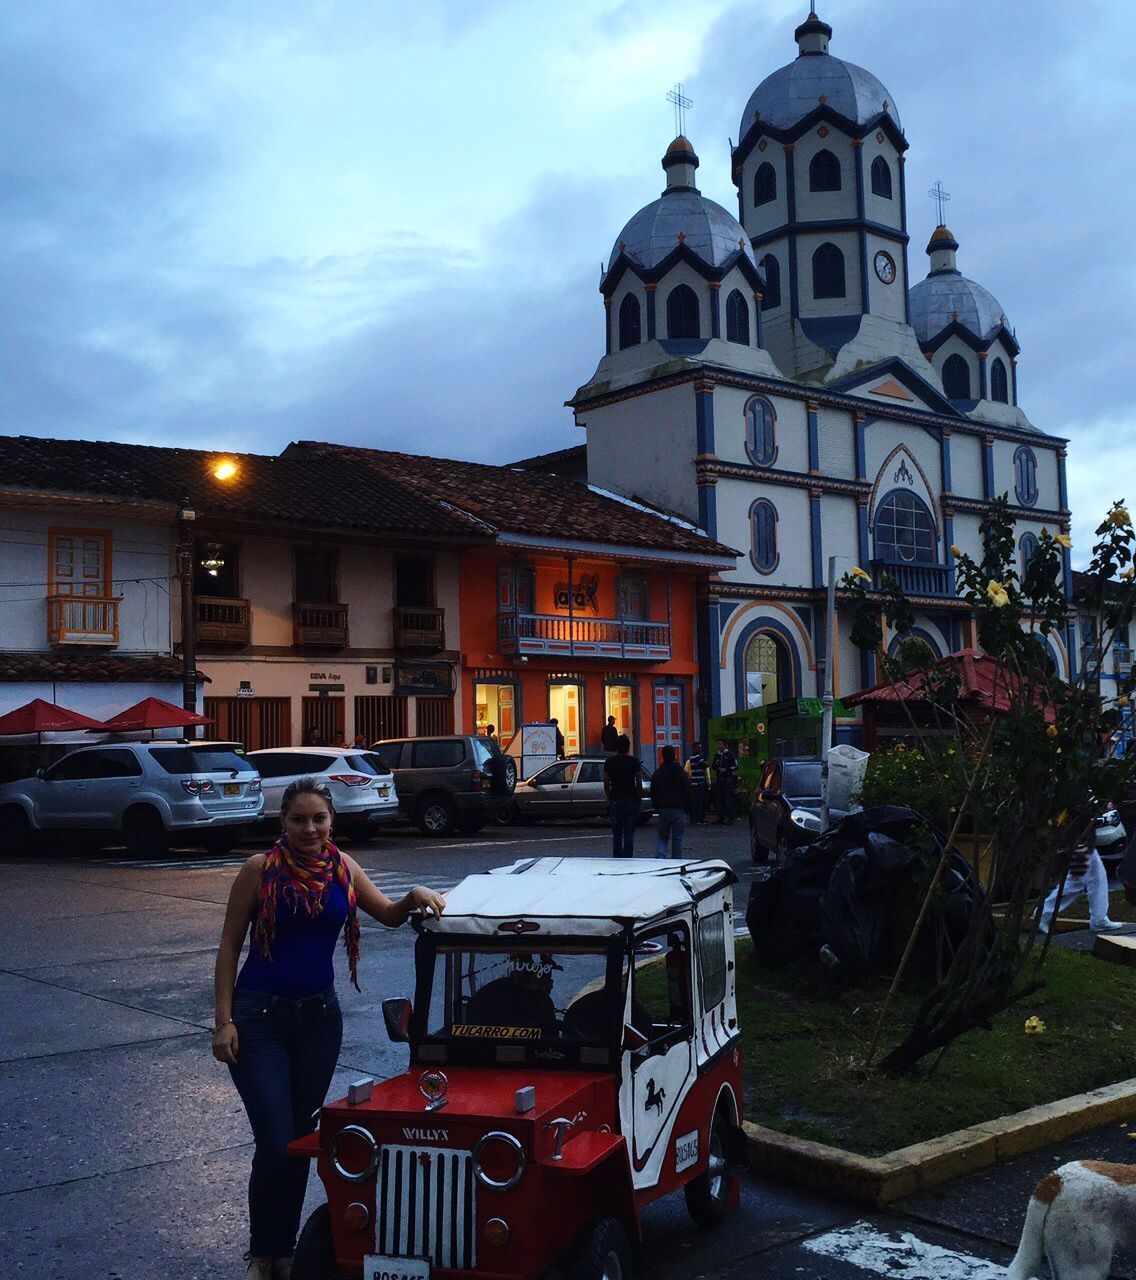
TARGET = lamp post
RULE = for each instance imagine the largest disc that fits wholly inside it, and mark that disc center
(185, 518)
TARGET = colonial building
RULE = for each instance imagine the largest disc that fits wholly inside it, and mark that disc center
(777, 379)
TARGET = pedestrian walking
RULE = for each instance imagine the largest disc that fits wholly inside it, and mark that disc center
(1086, 876)
(559, 738)
(623, 786)
(277, 1024)
(725, 774)
(698, 771)
(609, 736)
(670, 796)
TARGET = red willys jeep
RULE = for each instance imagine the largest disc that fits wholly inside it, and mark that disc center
(574, 1055)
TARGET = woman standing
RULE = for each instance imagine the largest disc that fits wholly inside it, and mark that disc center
(278, 1026)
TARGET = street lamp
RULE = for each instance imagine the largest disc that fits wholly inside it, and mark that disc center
(185, 518)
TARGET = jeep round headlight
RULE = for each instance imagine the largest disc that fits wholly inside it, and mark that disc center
(498, 1160)
(805, 820)
(363, 1150)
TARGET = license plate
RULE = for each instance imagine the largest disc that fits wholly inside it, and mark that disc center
(384, 792)
(232, 788)
(378, 1266)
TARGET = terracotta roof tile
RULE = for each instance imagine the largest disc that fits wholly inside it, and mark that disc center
(98, 668)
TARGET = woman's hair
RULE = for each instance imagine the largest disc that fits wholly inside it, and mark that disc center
(306, 787)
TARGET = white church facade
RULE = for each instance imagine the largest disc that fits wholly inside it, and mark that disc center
(777, 379)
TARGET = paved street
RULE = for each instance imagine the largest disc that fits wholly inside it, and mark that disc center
(124, 1149)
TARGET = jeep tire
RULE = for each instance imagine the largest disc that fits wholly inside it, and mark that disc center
(314, 1258)
(708, 1195)
(145, 833)
(436, 815)
(601, 1252)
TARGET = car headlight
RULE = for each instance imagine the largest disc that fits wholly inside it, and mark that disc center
(498, 1160)
(363, 1155)
(804, 819)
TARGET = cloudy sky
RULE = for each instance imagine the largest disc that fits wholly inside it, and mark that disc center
(233, 223)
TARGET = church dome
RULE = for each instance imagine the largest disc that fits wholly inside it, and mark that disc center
(946, 297)
(815, 77)
(681, 216)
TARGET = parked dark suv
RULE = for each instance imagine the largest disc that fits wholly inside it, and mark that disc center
(457, 780)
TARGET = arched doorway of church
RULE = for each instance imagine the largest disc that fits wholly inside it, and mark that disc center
(768, 671)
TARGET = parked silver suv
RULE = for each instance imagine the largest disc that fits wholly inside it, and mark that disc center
(206, 794)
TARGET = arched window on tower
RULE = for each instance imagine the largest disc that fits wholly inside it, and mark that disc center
(1028, 548)
(828, 272)
(737, 318)
(764, 184)
(771, 269)
(956, 378)
(824, 172)
(768, 671)
(881, 178)
(763, 531)
(905, 532)
(761, 438)
(630, 333)
(682, 312)
(1025, 476)
(999, 384)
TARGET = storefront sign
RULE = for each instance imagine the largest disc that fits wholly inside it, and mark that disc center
(584, 595)
(426, 678)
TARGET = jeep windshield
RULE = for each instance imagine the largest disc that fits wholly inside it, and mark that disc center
(485, 1002)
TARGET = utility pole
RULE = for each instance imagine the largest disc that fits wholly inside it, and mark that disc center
(826, 699)
(185, 518)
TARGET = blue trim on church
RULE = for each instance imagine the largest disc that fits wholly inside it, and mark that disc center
(814, 438)
(650, 315)
(1062, 491)
(863, 536)
(704, 420)
(859, 427)
(715, 313)
(815, 541)
(949, 540)
(945, 459)
(782, 632)
(981, 379)
(988, 470)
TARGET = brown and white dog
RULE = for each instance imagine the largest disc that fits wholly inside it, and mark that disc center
(1077, 1217)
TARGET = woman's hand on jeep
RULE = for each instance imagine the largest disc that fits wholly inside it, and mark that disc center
(428, 901)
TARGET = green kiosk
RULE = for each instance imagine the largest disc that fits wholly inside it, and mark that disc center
(789, 728)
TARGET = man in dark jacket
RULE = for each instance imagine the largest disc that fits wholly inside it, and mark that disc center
(670, 795)
(609, 736)
(623, 786)
(725, 771)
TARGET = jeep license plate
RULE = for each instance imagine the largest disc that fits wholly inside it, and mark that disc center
(232, 788)
(378, 1266)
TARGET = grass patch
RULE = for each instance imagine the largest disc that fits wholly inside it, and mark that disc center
(804, 1044)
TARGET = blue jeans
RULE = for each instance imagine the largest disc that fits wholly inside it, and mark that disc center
(697, 802)
(623, 814)
(286, 1055)
(672, 824)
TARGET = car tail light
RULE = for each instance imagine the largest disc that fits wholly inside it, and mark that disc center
(351, 779)
(197, 787)
(476, 780)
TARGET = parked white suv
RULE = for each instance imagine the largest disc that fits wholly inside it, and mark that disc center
(205, 794)
(362, 787)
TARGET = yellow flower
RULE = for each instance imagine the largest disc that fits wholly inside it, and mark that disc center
(1122, 701)
(857, 572)
(997, 594)
(1034, 1026)
(956, 551)
(1130, 572)
(1063, 540)
(1052, 731)
(1119, 517)
(1062, 818)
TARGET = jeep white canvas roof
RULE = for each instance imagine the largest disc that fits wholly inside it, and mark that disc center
(599, 895)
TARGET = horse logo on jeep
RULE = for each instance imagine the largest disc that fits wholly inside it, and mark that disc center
(654, 1099)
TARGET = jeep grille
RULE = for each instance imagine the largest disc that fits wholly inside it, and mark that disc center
(427, 1205)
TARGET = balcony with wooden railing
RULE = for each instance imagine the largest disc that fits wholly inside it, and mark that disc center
(419, 628)
(551, 633)
(222, 620)
(319, 626)
(82, 620)
(913, 579)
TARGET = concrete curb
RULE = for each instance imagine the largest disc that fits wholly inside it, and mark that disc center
(878, 1180)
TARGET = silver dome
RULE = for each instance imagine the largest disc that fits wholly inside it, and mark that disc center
(791, 92)
(946, 296)
(708, 230)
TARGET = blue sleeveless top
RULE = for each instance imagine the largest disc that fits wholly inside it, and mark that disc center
(303, 949)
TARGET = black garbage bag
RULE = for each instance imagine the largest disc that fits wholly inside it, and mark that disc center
(856, 888)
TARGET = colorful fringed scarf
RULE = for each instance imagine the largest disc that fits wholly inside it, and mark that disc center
(302, 882)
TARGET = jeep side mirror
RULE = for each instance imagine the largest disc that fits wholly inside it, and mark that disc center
(396, 1014)
(41, 773)
(633, 1039)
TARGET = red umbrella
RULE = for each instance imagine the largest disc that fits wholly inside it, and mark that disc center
(38, 716)
(153, 713)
